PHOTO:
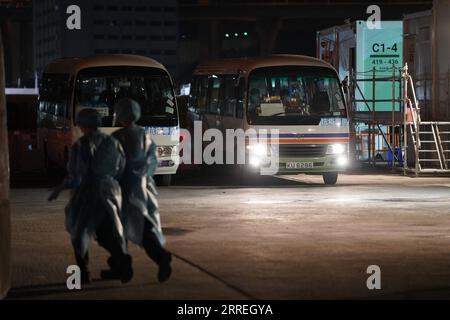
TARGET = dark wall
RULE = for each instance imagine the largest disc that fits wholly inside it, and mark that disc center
(291, 26)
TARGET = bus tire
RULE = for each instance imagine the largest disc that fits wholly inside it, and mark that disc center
(330, 178)
(163, 180)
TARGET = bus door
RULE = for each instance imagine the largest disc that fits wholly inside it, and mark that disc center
(53, 119)
(226, 102)
(232, 107)
(213, 115)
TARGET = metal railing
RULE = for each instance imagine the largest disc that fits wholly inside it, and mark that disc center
(372, 116)
(414, 128)
(413, 121)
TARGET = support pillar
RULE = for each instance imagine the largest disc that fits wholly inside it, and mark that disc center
(5, 218)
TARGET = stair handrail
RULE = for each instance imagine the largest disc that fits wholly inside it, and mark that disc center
(415, 113)
(416, 102)
(415, 108)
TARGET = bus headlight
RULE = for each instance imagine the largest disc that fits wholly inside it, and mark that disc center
(258, 149)
(336, 149)
(167, 151)
(254, 161)
(258, 154)
(342, 161)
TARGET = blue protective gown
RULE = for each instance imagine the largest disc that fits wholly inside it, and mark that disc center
(138, 187)
(96, 161)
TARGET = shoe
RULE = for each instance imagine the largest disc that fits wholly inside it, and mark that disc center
(85, 278)
(127, 269)
(113, 273)
(122, 270)
(165, 270)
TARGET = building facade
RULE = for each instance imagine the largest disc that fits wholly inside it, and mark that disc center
(17, 33)
(142, 27)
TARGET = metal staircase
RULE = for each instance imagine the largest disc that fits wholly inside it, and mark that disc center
(432, 146)
(430, 139)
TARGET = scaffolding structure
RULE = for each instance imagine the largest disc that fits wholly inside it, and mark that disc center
(378, 131)
(412, 144)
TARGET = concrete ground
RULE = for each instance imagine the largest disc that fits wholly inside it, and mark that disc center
(285, 237)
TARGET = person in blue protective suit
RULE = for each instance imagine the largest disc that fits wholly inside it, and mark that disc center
(140, 215)
(95, 163)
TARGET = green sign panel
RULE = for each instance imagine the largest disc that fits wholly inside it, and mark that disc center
(380, 50)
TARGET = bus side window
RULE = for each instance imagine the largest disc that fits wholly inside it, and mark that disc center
(54, 94)
(240, 94)
(214, 86)
(42, 97)
(193, 94)
(60, 109)
(203, 94)
(198, 95)
(228, 96)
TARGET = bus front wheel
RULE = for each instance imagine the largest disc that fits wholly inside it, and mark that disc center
(330, 178)
(163, 180)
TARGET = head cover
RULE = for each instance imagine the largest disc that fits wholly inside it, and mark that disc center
(89, 118)
(127, 111)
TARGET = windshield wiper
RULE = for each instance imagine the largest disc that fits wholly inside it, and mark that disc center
(278, 114)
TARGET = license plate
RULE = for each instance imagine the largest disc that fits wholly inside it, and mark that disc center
(299, 165)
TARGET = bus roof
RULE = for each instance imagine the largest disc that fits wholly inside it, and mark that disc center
(74, 65)
(234, 66)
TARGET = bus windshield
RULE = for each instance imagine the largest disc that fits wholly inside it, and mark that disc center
(293, 96)
(102, 87)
